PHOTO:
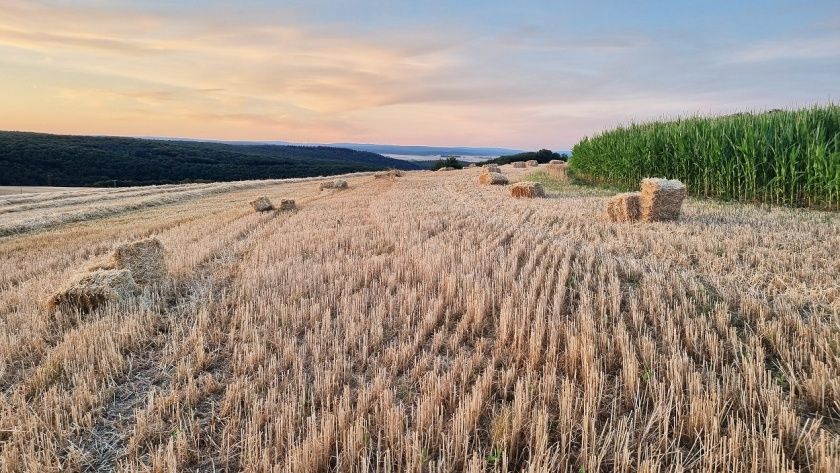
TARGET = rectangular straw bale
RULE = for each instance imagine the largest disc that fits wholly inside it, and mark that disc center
(661, 199)
(492, 178)
(87, 291)
(527, 189)
(623, 207)
(262, 204)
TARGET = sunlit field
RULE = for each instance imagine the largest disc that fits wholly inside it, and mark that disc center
(421, 323)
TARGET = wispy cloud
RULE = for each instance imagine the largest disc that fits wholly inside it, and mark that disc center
(263, 71)
(788, 49)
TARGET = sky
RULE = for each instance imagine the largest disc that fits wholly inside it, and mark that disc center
(520, 74)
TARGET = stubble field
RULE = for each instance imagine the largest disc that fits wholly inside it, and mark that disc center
(424, 323)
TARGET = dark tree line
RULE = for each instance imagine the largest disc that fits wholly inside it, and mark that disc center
(35, 159)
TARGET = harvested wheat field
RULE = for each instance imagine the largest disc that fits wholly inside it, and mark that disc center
(420, 324)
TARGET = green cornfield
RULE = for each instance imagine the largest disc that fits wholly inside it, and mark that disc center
(779, 157)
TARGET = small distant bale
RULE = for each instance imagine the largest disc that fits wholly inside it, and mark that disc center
(492, 178)
(445, 168)
(661, 199)
(262, 204)
(336, 184)
(519, 164)
(287, 204)
(558, 171)
(527, 189)
(532, 163)
(491, 168)
(557, 161)
(471, 165)
(145, 259)
(87, 291)
(390, 174)
(624, 207)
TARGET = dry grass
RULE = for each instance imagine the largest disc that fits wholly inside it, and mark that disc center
(427, 325)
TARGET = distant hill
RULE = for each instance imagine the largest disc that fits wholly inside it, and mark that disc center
(37, 159)
(428, 150)
(400, 150)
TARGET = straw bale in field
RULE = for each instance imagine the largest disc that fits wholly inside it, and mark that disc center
(519, 164)
(624, 207)
(557, 161)
(491, 168)
(445, 168)
(145, 259)
(527, 189)
(88, 291)
(262, 204)
(336, 184)
(287, 204)
(532, 163)
(558, 171)
(492, 178)
(661, 199)
(471, 165)
(380, 175)
(395, 173)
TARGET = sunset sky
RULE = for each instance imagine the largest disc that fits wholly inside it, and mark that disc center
(482, 73)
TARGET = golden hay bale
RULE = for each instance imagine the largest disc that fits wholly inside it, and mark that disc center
(395, 173)
(336, 184)
(471, 165)
(492, 178)
(491, 168)
(380, 175)
(90, 290)
(287, 204)
(519, 164)
(532, 163)
(527, 189)
(623, 207)
(558, 171)
(145, 259)
(557, 161)
(445, 168)
(661, 199)
(262, 204)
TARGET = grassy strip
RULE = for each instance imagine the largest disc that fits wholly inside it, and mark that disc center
(571, 187)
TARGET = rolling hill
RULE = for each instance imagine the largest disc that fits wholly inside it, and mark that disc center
(37, 159)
